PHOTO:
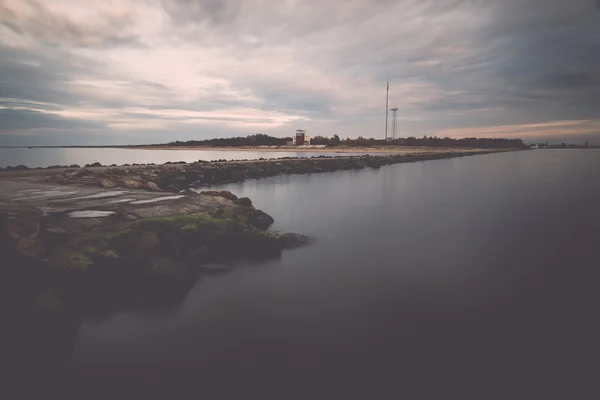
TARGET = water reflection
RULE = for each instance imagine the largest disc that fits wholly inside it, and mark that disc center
(44, 157)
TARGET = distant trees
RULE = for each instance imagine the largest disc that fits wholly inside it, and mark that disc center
(483, 143)
(319, 140)
(260, 139)
(323, 140)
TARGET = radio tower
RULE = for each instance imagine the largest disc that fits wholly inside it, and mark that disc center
(386, 108)
(394, 124)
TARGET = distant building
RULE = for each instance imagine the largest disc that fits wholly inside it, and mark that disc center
(301, 138)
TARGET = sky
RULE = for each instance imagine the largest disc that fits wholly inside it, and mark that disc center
(150, 71)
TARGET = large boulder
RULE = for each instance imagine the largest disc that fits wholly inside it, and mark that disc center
(220, 193)
(132, 183)
(153, 186)
(291, 240)
(108, 184)
(251, 216)
(243, 201)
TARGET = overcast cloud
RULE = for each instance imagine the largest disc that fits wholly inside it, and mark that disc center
(143, 71)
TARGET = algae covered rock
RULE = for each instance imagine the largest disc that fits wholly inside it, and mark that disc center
(220, 193)
(175, 237)
(250, 215)
(243, 201)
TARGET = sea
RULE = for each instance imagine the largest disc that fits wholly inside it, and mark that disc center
(48, 156)
(466, 278)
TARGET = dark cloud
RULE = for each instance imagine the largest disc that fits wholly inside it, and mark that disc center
(36, 77)
(197, 11)
(28, 121)
(35, 19)
(452, 64)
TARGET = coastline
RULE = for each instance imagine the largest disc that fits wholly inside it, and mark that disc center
(180, 176)
(81, 242)
(318, 149)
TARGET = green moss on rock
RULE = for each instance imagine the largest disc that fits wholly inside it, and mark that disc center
(181, 221)
(73, 260)
(116, 233)
(109, 254)
(189, 227)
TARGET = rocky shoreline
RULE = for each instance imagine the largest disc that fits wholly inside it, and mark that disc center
(107, 249)
(119, 230)
(86, 242)
(178, 176)
(69, 255)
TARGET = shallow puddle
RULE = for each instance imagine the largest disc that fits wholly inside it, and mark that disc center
(100, 195)
(90, 214)
(46, 193)
(121, 201)
(157, 199)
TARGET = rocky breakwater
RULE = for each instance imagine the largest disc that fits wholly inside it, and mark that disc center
(105, 248)
(177, 177)
(163, 235)
(73, 253)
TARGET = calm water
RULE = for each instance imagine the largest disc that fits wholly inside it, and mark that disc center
(44, 157)
(466, 278)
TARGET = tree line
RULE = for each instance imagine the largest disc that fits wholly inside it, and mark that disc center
(432, 141)
(260, 139)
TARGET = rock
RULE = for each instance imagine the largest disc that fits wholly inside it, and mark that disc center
(96, 164)
(227, 194)
(142, 240)
(243, 201)
(74, 166)
(56, 230)
(197, 255)
(153, 186)
(259, 219)
(17, 168)
(221, 193)
(107, 183)
(76, 173)
(133, 183)
(291, 240)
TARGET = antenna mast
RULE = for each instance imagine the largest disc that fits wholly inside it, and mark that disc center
(394, 123)
(387, 92)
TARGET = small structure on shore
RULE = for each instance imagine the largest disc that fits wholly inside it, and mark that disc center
(301, 138)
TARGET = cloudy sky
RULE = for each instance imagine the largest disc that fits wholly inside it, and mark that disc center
(145, 71)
